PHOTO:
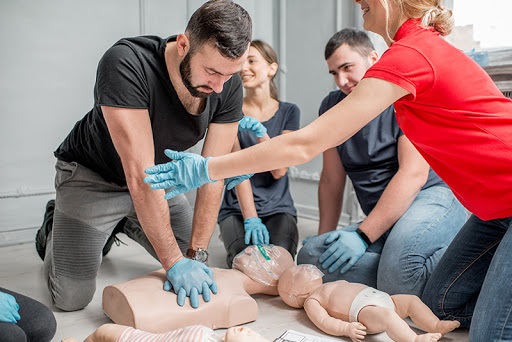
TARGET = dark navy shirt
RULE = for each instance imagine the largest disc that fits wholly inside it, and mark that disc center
(370, 157)
(271, 196)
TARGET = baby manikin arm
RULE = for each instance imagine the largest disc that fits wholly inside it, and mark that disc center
(321, 318)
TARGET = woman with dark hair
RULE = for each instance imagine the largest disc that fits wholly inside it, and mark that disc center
(260, 210)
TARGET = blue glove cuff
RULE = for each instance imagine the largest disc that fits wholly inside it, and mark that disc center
(205, 165)
(252, 219)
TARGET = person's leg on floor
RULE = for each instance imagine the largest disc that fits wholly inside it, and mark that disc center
(87, 208)
(418, 240)
(10, 332)
(283, 231)
(454, 286)
(233, 236)
(492, 318)
(45, 229)
(36, 319)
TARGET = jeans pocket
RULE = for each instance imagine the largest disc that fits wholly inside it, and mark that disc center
(65, 172)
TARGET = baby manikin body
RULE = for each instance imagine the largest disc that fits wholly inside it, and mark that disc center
(143, 304)
(348, 309)
(193, 333)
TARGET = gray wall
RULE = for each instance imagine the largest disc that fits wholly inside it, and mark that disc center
(48, 63)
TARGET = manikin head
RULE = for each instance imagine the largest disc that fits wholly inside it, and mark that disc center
(349, 53)
(384, 17)
(242, 334)
(214, 46)
(263, 263)
(297, 282)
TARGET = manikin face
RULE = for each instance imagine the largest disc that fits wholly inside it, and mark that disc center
(257, 72)
(263, 263)
(348, 67)
(374, 16)
(243, 334)
(205, 71)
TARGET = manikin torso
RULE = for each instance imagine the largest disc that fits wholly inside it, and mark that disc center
(337, 297)
(142, 303)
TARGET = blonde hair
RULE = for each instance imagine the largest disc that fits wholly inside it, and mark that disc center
(431, 12)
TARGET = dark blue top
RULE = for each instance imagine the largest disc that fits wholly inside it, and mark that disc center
(271, 196)
(370, 157)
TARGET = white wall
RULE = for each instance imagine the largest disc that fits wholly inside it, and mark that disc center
(48, 60)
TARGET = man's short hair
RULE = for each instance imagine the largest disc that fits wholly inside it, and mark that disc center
(222, 23)
(358, 40)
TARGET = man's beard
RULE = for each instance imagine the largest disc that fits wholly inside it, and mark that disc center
(186, 75)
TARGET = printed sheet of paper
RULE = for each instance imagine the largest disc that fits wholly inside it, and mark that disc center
(295, 336)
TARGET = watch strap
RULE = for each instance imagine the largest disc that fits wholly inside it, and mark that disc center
(363, 237)
(191, 253)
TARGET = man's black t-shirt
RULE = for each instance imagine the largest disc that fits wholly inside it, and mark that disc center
(133, 74)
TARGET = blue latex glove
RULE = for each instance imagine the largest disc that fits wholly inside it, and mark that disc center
(231, 182)
(306, 240)
(190, 278)
(187, 171)
(8, 308)
(248, 123)
(345, 249)
(256, 233)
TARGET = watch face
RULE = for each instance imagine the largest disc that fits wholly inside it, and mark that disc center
(201, 255)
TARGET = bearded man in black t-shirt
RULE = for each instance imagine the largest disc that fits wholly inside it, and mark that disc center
(150, 94)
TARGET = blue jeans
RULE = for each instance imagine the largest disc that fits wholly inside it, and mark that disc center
(473, 283)
(402, 260)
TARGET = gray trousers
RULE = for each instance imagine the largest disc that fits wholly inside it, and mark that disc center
(87, 208)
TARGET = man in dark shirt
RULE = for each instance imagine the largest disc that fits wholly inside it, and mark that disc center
(150, 94)
(412, 215)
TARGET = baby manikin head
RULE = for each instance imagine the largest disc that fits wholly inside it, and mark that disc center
(263, 263)
(243, 334)
(297, 282)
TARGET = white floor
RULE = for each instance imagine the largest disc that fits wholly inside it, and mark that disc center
(21, 271)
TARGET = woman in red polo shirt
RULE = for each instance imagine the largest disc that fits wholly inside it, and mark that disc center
(460, 122)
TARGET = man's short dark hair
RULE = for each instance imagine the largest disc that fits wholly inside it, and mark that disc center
(358, 40)
(222, 23)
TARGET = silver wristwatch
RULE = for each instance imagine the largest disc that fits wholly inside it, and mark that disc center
(199, 254)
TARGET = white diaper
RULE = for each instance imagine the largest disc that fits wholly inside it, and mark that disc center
(367, 297)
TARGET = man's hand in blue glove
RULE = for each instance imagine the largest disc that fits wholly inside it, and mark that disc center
(231, 182)
(344, 250)
(255, 232)
(187, 171)
(8, 308)
(190, 278)
(248, 123)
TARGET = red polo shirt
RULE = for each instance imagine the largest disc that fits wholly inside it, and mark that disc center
(455, 116)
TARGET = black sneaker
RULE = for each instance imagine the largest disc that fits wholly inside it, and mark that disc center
(119, 228)
(45, 229)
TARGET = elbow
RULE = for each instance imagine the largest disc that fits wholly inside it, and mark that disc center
(299, 147)
(418, 178)
(136, 183)
(306, 153)
(278, 174)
